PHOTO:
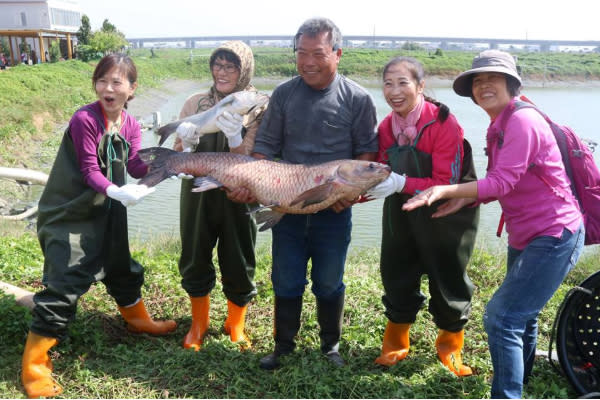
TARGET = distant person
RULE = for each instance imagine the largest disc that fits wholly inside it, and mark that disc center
(33, 57)
(424, 145)
(210, 219)
(545, 231)
(24, 57)
(3, 61)
(47, 56)
(82, 222)
(315, 117)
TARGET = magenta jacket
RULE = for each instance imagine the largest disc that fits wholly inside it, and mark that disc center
(531, 208)
(86, 133)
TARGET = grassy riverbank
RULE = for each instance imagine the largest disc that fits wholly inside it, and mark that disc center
(101, 360)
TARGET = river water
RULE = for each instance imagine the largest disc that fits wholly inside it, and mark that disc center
(573, 106)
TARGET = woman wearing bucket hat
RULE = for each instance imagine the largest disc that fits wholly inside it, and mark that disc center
(545, 231)
(423, 143)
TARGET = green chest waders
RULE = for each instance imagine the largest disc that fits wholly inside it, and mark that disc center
(414, 244)
(83, 236)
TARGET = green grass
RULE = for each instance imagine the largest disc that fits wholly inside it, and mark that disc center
(102, 360)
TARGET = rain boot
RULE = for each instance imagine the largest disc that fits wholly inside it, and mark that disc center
(139, 321)
(396, 343)
(200, 320)
(449, 346)
(330, 314)
(287, 325)
(234, 324)
(36, 373)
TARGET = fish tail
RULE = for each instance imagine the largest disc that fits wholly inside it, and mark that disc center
(156, 158)
(165, 131)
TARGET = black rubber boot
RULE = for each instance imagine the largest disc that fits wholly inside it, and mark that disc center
(287, 325)
(330, 314)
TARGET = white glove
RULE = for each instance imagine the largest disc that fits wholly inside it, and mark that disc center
(188, 135)
(182, 175)
(130, 194)
(393, 184)
(231, 125)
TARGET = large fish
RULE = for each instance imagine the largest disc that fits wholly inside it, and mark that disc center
(280, 187)
(238, 102)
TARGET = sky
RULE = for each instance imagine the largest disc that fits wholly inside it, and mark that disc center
(505, 19)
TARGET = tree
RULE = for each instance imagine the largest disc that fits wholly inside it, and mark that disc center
(85, 31)
(411, 46)
(107, 42)
(104, 41)
(54, 51)
(108, 27)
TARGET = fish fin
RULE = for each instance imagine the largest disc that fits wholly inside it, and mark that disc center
(267, 219)
(314, 195)
(206, 183)
(260, 208)
(165, 131)
(156, 159)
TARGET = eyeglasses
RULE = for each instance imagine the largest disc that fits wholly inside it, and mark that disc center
(229, 68)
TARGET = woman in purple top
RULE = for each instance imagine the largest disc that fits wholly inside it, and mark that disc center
(545, 229)
(82, 222)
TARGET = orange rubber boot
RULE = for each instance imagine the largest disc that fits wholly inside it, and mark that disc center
(36, 373)
(234, 324)
(139, 321)
(395, 344)
(200, 321)
(449, 346)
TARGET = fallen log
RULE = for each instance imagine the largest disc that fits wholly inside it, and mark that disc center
(22, 297)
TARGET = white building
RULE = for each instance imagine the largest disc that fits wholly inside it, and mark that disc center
(39, 23)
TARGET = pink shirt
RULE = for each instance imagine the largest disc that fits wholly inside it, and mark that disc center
(86, 133)
(531, 208)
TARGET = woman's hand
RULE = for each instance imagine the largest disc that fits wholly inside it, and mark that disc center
(451, 206)
(426, 198)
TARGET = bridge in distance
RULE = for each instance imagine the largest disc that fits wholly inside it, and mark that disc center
(370, 41)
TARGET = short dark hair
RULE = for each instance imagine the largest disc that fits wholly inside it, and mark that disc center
(312, 27)
(125, 64)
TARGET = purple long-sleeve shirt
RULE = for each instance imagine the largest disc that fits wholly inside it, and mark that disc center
(86, 133)
(531, 208)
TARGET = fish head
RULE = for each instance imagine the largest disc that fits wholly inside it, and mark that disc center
(244, 101)
(363, 174)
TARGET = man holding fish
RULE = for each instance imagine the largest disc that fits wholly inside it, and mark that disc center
(316, 117)
(210, 219)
